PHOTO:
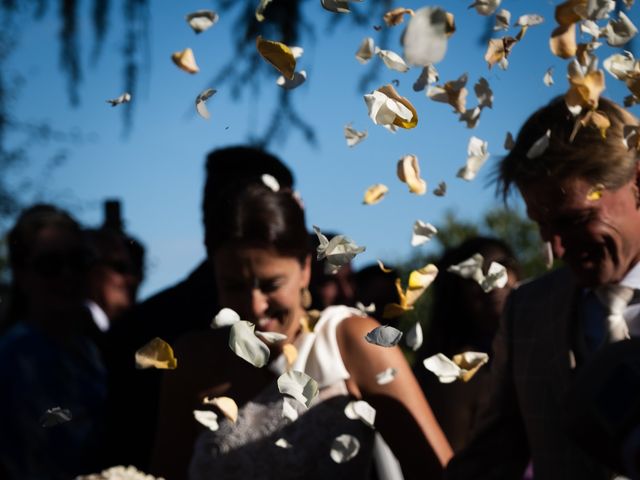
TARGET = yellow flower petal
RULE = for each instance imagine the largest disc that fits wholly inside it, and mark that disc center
(470, 363)
(156, 354)
(226, 405)
(396, 16)
(185, 60)
(375, 193)
(408, 172)
(278, 55)
(391, 92)
(595, 193)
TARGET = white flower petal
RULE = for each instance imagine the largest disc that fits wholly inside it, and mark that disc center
(425, 37)
(353, 136)
(336, 6)
(366, 309)
(539, 146)
(392, 60)
(442, 367)
(496, 277)
(225, 318)
(270, 182)
(361, 410)
(226, 405)
(503, 19)
(477, 156)
(529, 20)
(289, 410)
(485, 7)
(384, 336)
(55, 416)
(244, 343)
(289, 84)
(422, 233)
(414, 337)
(207, 418)
(298, 385)
(262, 6)
(202, 20)
(201, 99)
(282, 443)
(428, 76)
(365, 51)
(548, 77)
(344, 448)
(618, 32)
(621, 65)
(386, 376)
(124, 98)
(469, 268)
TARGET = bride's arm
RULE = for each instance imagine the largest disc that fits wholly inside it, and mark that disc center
(404, 417)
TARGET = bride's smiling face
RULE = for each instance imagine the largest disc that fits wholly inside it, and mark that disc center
(262, 286)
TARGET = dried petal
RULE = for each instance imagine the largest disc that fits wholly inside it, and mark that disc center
(207, 418)
(498, 50)
(584, 90)
(344, 448)
(425, 37)
(386, 376)
(409, 172)
(563, 41)
(485, 7)
(186, 61)
(244, 343)
(484, 94)
(202, 20)
(384, 336)
(279, 55)
(477, 155)
(503, 19)
(414, 337)
(55, 416)
(440, 190)
(568, 13)
(396, 16)
(529, 20)
(298, 79)
(590, 28)
(375, 193)
(337, 6)
(453, 92)
(201, 99)
(157, 354)
(226, 405)
(353, 136)
(422, 233)
(262, 6)
(618, 32)
(225, 318)
(124, 98)
(509, 143)
(392, 60)
(365, 51)
(298, 385)
(428, 76)
(621, 65)
(548, 77)
(539, 146)
(361, 410)
(470, 362)
(383, 268)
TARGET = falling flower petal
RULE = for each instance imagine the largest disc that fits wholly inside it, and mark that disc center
(498, 51)
(262, 6)
(485, 7)
(449, 371)
(585, 89)
(631, 137)
(244, 343)
(383, 268)
(384, 336)
(547, 255)
(392, 60)
(289, 84)
(440, 190)
(621, 65)
(529, 20)
(428, 76)
(425, 37)
(202, 20)
(55, 416)
(388, 108)
(157, 354)
(124, 98)
(496, 277)
(365, 51)
(471, 117)
(386, 376)
(419, 281)
(618, 32)
(119, 473)
(483, 93)
(371, 308)
(453, 92)
(509, 143)
(353, 136)
(201, 99)
(595, 193)
(270, 337)
(298, 385)
(414, 337)
(207, 418)
(470, 362)
(290, 353)
(477, 155)
(344, 448)
(563, 41)
(337, 6)
(375, 193)
(422, 233)
(503, 19)
(469, 268)
(225, 318)
(270, 182)
(548, 77)
(282, 443)
(408, 172)
(539, 146)
(396, 16)
(361, 410)
(289, 410)
(186, 61)
(279, 55)
(226, 405)
(590, 28)
(338, 251)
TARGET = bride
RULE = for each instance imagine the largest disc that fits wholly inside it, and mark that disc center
(260, 255)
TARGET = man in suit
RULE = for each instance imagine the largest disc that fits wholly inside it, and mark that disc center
(189, 305)
(582, 187)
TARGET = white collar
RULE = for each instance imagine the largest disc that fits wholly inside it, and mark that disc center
(632, 278)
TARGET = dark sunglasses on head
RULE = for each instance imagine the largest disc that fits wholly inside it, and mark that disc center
(51, 264)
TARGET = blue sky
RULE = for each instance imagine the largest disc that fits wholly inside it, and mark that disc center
(157, 171)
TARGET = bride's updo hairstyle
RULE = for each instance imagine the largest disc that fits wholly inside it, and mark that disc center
(249, 214)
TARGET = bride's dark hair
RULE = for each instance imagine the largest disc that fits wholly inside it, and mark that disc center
(250, 214)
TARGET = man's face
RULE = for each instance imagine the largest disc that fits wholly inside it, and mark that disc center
(598, 238)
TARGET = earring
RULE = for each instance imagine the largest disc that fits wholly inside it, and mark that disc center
(305, 297)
